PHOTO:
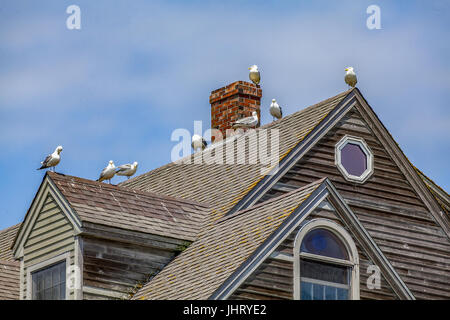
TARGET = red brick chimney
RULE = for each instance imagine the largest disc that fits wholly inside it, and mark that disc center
(232, 102)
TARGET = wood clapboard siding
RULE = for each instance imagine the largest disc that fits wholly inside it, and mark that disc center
(117, 267)
(51, 235)
(274, 278)
(386, 205)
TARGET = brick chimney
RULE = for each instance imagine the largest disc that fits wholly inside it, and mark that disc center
(232, 102)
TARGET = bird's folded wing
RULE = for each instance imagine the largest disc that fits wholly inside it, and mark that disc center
(46, 160)
(123, 167)
(245, 120)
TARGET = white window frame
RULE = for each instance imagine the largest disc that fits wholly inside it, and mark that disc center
(346, 239)
(366, 150)
(43, 265)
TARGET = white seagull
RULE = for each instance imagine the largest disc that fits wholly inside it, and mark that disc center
(275, 110)
(350, 77)
(254, 74)
(108, 172)
(198, 142)
(52, 160)
(127, 169)
(248, 122)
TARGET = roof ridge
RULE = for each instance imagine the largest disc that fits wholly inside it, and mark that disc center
(268, 125)
(430, 180)
(54, 175)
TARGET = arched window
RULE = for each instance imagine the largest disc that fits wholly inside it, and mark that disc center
(326, 264)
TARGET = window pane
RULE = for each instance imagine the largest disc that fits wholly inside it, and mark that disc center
(318, 292)
(49, 283)
(330, 293)
(353, 159)
(342, 294)
(324, 271)
(324, 243)
(62, 291)
(306, 290)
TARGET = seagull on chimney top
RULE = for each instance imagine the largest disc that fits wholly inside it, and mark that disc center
(198, 142)
(248, 122)
(350, 77)
(275, 110)
(254, 74)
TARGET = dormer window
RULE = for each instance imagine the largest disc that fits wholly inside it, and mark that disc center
(50, 283)
(326, 264)
(354, 159)
(46, 280)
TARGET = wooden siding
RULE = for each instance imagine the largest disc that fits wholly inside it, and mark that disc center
(51, 235)
(114, 268)
(386, 205)
(274, 278)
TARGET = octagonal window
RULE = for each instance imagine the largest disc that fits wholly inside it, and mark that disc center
(354, 159)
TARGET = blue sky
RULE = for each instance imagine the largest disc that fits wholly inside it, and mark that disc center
(137, 70)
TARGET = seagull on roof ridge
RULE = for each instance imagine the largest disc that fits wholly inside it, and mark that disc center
(275, 110)
(52, 160)
(127, 169)
(108, 172)
(198, 142)
(350, 77)
(248, 122)
(254, 75)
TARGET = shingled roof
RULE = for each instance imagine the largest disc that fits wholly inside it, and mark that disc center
(441, 196)
(124, 208)
(9, 280)
(223, 185)
(6, 239)
(199, 270)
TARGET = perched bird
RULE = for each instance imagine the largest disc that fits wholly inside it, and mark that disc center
(52, 160)
(127, 169)
(275, 110)
(248, 122)
(108, 172)
(350, 77)
(198, 142)
(254, 74)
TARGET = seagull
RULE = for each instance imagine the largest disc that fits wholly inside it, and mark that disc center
(198, 142)
(248, 122)
(108, 172)
(127, 169)
(275, 110)
(254, 74)
(52, 160)
(350, 77)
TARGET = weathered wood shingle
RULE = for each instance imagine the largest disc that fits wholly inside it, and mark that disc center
(6, 239)
(9, 280)
(223, 185)
(199, 270)
(124, 208)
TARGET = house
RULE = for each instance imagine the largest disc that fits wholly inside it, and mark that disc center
(344, 215)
